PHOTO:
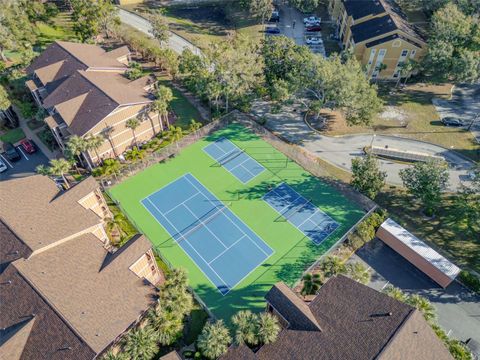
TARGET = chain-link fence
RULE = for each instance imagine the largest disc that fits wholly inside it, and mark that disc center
(132, 168)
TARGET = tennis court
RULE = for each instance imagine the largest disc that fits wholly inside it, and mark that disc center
(234, 159)
(301, 213)
(224, 248)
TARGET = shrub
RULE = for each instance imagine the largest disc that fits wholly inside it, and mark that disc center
(355, 242)
(470, 280)
(365, 231)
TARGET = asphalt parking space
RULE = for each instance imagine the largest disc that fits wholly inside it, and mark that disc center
(458, 308)
(23, 167)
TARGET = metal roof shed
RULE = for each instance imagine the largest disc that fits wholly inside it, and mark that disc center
(417, 252)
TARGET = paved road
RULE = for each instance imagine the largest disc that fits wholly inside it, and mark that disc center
(339, 151)
(176, 43)
(458, 309)
(465, 104)
(287, 16)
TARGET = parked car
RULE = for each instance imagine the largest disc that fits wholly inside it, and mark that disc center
(311, 19)
(3, 166)
(275, 16)
(272, 30)
(28, 146)
(452, 121)
(10, 152)
(313, 40)
(313, 28)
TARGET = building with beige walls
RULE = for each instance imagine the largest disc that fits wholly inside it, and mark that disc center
(379, 35)
(85, 92)
(65, 293)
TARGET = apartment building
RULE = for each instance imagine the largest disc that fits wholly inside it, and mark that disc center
(346, 320)
(379, 34)
(64, 292)
(85, 92)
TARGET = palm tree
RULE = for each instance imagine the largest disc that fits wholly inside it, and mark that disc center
(177, 278)
(166, 95)
(135, 154)
(111, 166)
(110, 355)
(268, 328)
(159, 107)
(43, 170)
(396, 293)
(424, 306)
(76, 145)
(245, 323)
(168, 325)
(60, 167)
(332, 265)
(94, 142)
(117, 223)
(194, 126)
(311, 284)
(358, 272)
(141, 344)
(107, 133)
(132, 124)
(214, 340)
(175, 133)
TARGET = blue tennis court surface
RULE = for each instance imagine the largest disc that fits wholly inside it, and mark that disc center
(220, 244)
(234, 159)
(301, 213)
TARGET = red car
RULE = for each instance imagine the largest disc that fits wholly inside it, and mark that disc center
(28, 146)
(314, 28)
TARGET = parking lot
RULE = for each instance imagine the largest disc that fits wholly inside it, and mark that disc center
(458, 308)
(23, 167)
(292, 25)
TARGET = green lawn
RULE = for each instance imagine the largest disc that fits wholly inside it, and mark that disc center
(13, 135)
(293, 252)
(182, 108)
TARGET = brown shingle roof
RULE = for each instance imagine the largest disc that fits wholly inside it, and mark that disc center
(292, 308)
(357, 323)
(172, 355)
(94, 56)
(86, 98)
(40, 214)
(62, 59)
(14, 339)
(11, 247)
(100, 302)
(241, 352)
(49, 337)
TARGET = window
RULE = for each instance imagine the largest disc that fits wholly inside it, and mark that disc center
(382, 52)
(412, 54)
(396, 43)
(404, 53)
(396, 74)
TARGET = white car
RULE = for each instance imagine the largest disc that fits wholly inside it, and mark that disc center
(312, 20)
(3, 166)
(314, 41)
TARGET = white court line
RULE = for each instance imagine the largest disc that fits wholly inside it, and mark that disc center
(205, 225)
(25, 156)
(298, 227)
(224, 251)
(232, 221)
(6, 161)
(193, 248)
(180, 204)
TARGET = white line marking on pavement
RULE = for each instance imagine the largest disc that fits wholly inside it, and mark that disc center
(6, 161)
(25, 156)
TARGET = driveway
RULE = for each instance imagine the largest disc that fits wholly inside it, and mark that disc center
(340, 151)
(465, 104)
(175, 42)
(458, 309)
(23, 167)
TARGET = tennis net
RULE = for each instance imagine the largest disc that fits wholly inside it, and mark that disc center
(230, 156)
(200, 223)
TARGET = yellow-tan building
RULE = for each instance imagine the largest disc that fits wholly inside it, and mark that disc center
(85, 92)
(379, 34)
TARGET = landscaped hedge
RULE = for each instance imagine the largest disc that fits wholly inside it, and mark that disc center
(469, 280)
